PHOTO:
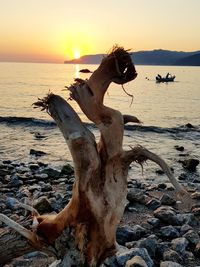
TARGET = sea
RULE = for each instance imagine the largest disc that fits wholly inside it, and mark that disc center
(165, 110)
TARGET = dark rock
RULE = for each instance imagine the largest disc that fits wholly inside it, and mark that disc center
(85, 71)
(11, 203)
(52, 173)
(34, 166)
(160, 172)
(167, 215)
(122, 258)
(191, 164)
(42, 164)
(127, 234)
(192, 237)
(4, 172)
(179, 148)
(34, 188)
(67, 170)
(167, 200)
(150, 243)
(179, 245)
(56, 204)
(7, 162)
(46, 187)
(168, 232)
(41, 176)
(43, 205)
(182, 176)
(136, 195)
(39, 136)
(71, 181)
(162, 247)
(187, 218)
(185, 228)
(162, 186)
(183, 155)
(196, 211)
(189, 125)
(153, 221)
(153, 204)
(30, 181)
(172, 255)
(136, 261)
(37, 153)
(14, 181)
(22, 263)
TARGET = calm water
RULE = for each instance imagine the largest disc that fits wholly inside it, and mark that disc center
(164, 109)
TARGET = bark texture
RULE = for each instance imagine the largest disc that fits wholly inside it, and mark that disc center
(83, 233)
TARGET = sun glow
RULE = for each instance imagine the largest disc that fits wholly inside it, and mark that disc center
(77, 54)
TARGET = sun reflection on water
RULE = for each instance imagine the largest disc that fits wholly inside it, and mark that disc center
(77, 73)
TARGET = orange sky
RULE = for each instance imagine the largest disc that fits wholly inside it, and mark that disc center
(52, 31)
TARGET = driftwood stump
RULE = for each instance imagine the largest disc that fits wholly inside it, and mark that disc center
(84, 232)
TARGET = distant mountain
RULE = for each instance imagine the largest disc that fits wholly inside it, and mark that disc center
(154, 57)
(193, 60)
(88, 59)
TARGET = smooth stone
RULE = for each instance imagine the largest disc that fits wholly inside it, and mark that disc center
(135, 195)
(170, 264)
(136, 261)
(122, 258)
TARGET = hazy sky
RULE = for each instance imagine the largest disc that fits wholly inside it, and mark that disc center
(54, 30)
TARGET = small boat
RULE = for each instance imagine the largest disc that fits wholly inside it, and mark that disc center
(168, 78)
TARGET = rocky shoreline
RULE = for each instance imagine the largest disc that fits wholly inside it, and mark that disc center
(157, 229)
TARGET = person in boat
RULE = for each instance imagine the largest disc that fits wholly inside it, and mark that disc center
(168, 75)
(159, 76)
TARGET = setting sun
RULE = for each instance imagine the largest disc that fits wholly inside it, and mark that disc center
(77, 54)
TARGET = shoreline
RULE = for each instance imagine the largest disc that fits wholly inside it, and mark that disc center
(143, 223)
